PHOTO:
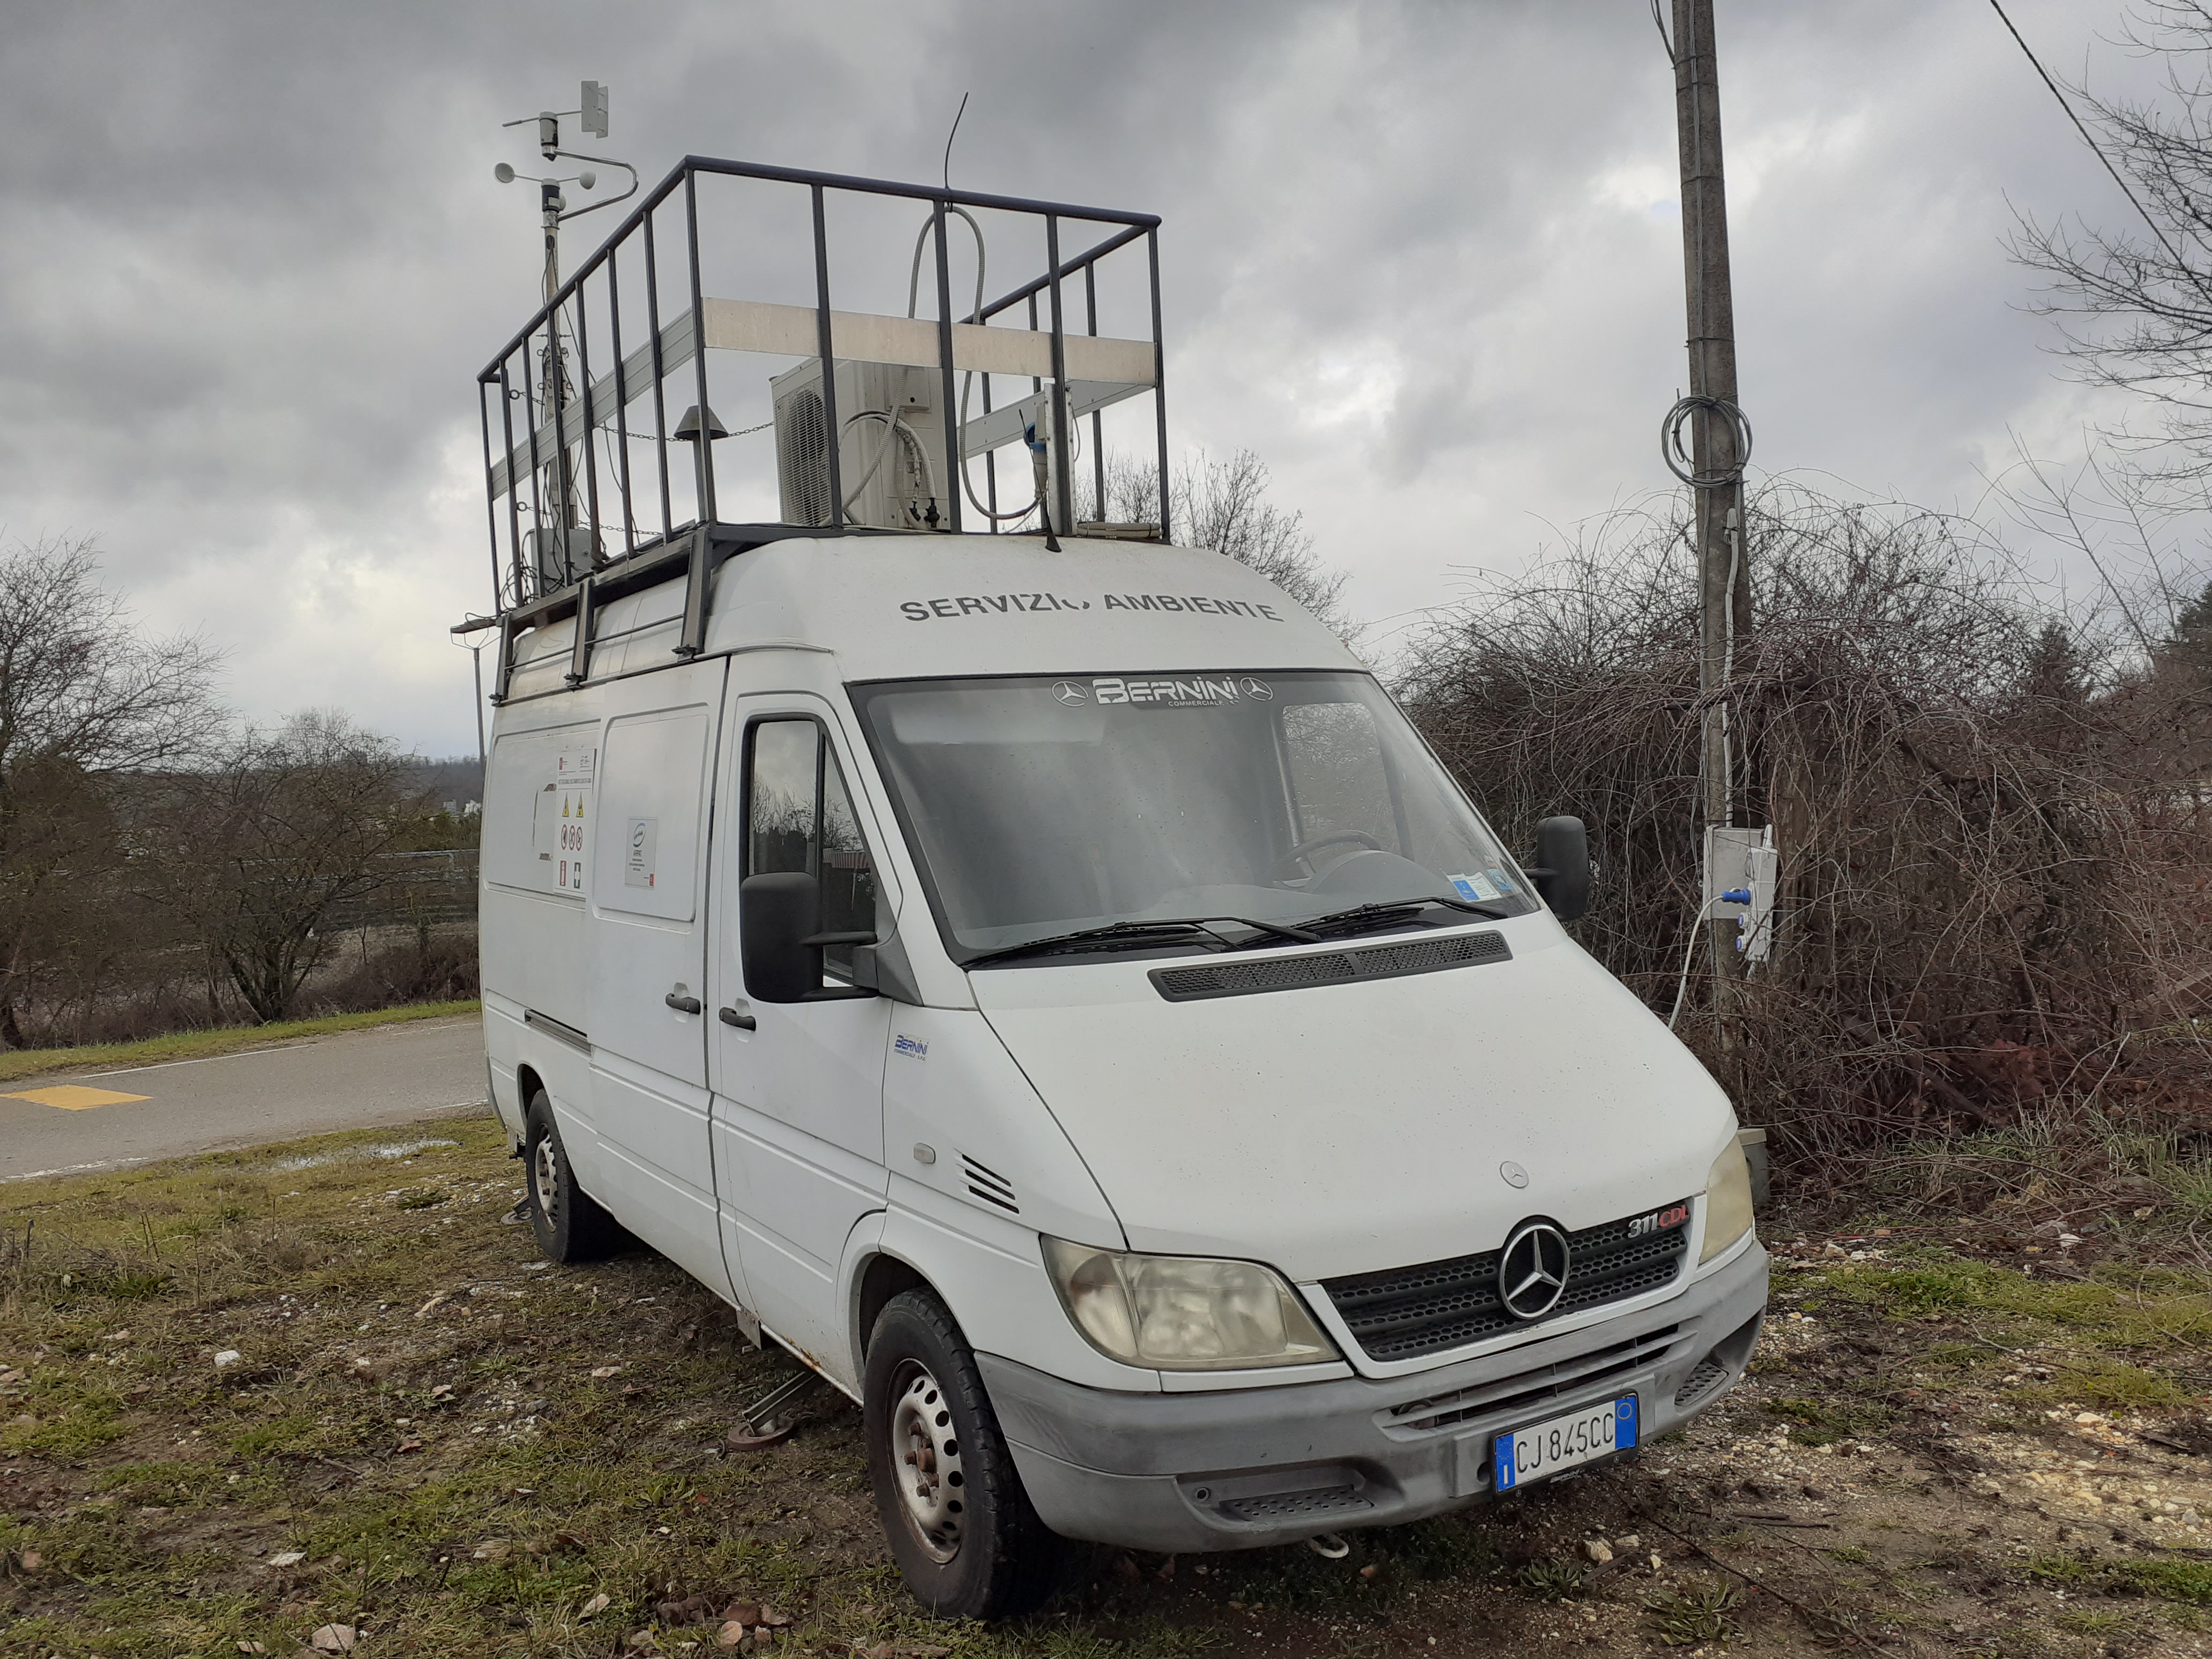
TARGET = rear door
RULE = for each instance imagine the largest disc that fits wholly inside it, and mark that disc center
(799, 1115)
(646, 961)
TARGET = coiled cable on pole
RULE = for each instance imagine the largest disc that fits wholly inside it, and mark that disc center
(1682, 463)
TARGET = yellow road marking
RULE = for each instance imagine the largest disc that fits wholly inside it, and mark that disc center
(73, 1096)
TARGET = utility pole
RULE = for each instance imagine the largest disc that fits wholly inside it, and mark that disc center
(1720, 443)
(1726, 610)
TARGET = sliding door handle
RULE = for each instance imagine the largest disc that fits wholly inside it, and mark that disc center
(731, 1016)
(682, 1005)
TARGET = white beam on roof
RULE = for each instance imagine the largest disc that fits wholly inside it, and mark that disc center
(1124, 366)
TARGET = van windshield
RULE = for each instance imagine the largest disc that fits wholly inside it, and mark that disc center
(1039, 806)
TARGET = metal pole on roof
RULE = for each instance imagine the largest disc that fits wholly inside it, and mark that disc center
(1063, 486)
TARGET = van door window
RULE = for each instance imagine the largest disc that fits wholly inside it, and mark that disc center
(799, 817)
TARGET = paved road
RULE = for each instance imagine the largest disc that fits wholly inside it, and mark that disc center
(351, 1080)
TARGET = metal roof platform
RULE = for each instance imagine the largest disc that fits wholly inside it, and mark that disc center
(599, 433)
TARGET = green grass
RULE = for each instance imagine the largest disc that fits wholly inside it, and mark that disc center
(1823, 1422)
(226, 1040)
(2133, 1310)
(1698, 1612)
(2189, 1583)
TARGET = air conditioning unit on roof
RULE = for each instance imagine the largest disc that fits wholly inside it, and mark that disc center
(891, 455)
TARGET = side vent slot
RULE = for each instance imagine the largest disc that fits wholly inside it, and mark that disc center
(989, 1186)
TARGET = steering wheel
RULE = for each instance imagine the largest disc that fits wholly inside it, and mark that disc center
(1304, 850)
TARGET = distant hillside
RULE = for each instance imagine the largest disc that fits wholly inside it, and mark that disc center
(457, 779)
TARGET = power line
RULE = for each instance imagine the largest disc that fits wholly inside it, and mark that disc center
(2089, 138)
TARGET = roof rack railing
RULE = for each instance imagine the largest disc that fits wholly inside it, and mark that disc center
(560, 519)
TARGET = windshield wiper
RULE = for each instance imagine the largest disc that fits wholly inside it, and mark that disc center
(1141, 932)
(1338, 921)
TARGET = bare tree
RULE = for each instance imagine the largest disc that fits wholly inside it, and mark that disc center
(85, 699)
(1224, 506)
(258, 851)
(2134, 305)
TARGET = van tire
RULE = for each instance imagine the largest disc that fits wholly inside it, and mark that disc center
(569, 1223)
(990, 1556)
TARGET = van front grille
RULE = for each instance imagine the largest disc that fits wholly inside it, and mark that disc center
(1404, 1313)
(1241, 978)
(1525, 1391)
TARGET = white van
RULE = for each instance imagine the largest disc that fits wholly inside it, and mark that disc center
(1059, 997)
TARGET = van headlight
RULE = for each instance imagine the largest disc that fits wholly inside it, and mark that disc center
(1179, 1313)
(1728, 1200)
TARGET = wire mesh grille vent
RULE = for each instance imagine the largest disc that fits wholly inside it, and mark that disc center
(989, 1186)
(1711, 1370)
(802, 457)
(1296, 1505)
(1403, 1313)
(1240, 979)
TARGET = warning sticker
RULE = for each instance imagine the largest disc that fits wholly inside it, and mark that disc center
(560, 827)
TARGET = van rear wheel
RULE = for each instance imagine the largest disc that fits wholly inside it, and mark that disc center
(569, 1225)
(968, 1541)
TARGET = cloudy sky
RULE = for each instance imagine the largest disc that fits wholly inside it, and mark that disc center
(1425, 258)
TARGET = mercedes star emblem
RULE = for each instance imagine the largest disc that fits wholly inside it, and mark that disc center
(1532, 1270)
(1513, 1174)
(1259, 690)
(1069, 692)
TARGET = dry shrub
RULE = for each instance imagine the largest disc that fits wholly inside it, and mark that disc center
(1994, 832)
(417, 964)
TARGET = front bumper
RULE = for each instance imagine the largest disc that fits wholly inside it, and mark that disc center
(1250, 1467)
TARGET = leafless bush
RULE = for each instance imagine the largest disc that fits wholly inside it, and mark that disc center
(1993, 839)
(1224, 505)
(259, 850)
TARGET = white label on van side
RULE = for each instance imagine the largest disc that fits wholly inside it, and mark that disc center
(558, 829)
(641, 853)
(912, 1048)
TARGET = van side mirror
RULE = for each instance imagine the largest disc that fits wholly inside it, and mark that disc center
(780, 942)
(774, 913)
(1562, 869)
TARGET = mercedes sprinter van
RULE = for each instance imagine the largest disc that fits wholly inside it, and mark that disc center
(1059, 997)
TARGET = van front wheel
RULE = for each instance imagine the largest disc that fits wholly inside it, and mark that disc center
(967, 1539)
(570, 1227)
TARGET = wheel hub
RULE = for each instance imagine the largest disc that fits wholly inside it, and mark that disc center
(545, 1175)
(924, 1453)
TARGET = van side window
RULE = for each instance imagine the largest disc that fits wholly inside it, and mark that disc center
(799, 817)
(1337, 784)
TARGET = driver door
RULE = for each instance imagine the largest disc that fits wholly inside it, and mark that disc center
(798, 1087)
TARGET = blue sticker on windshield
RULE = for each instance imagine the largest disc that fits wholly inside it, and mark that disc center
(1477, 887)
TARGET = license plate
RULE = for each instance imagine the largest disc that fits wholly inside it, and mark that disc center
(1562, 1442)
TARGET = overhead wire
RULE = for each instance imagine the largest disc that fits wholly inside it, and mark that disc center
(2089, 138)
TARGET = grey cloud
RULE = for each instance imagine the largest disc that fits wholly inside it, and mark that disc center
(254, 257)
